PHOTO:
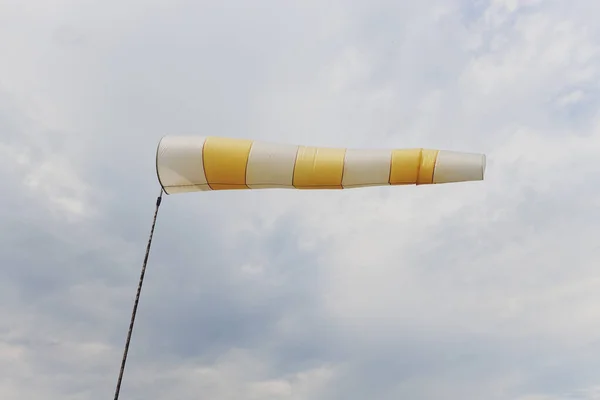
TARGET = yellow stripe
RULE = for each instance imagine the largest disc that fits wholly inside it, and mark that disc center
(225, 162)
(412, 166)
(428, 159)
(319, 168)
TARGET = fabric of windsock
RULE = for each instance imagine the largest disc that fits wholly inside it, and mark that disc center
(195, 163)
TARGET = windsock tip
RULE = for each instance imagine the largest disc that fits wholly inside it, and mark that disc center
(459, 167)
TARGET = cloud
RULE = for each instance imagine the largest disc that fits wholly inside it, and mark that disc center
(477, 290)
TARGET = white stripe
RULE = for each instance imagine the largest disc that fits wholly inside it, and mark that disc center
(186, 189)
(179, 164)
(271, 165)
(366, 168)
(454, 166)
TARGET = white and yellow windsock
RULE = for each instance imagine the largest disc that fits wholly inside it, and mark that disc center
(193, 163)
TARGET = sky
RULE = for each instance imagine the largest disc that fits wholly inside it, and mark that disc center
(479, 290)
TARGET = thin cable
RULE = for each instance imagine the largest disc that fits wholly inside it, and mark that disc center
(137, 299)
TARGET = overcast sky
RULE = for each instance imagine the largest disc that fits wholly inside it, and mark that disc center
(483, 290)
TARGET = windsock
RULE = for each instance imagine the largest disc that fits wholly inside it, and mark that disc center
(195, 163)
